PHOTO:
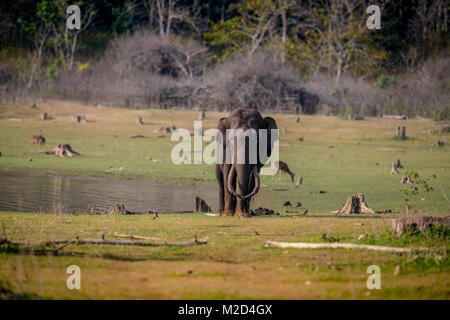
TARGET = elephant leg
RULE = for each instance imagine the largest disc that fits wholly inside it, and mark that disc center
(220, 181)
(230, 200)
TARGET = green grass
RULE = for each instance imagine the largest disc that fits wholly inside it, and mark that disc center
(338, 156)
(231, 265)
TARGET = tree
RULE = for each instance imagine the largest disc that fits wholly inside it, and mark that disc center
(249, 29)
(335, 37)
(63, 40)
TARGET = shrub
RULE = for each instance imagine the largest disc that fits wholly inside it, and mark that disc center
(259, 82)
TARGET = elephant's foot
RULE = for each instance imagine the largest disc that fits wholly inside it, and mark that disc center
(227, 213)
(241, 213)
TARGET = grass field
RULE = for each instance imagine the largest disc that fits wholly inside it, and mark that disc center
(337, 156)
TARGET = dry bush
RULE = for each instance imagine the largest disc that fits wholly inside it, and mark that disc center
(423, 92)
(357, 96)
(147, 52)
(426, 91)
(258, 82)
(134, 71)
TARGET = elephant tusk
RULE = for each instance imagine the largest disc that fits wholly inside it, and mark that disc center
(230, 185)
(257, 183)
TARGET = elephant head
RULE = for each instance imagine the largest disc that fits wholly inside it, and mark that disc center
(245, 173)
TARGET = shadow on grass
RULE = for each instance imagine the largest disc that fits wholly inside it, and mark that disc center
(37, 252)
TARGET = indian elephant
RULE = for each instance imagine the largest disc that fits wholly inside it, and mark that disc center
(234, 202)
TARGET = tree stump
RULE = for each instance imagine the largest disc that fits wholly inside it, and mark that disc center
(355, 204)
(420, 223)
(406, 180)
(139, 120)
(44, 116)
(78, 119)
(299, 180)
(394, 168)
(401, 132)
(200, 205)
(118, 208)
(398, 164)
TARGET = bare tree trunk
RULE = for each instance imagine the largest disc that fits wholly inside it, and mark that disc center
(283, 33)
(338, 70)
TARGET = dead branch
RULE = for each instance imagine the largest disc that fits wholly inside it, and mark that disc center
(129, 243)
(395, 117)
(256, 233)
(132, 236)
(305, 245)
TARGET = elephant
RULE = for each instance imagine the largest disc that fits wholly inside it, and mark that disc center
(234, 202)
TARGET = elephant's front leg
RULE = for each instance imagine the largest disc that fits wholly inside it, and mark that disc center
(220, 180)
(230, 200)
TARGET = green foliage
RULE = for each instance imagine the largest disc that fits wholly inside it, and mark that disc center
(53, 66)
(123, 19)
(346, 114)
(384, 81)
(244, 32)
(443, 114)
(433, 236)
(417, 189)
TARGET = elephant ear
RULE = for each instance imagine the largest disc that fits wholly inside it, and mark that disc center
(269, 124)
(223, 126)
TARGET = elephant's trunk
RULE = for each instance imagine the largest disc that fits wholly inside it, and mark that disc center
(230, 184)
(238, 194)
(257, 183)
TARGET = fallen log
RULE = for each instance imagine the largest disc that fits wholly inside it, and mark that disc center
(195, 241)
(305, 245)
(132, 236)
(395, 117)
(62, 150)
